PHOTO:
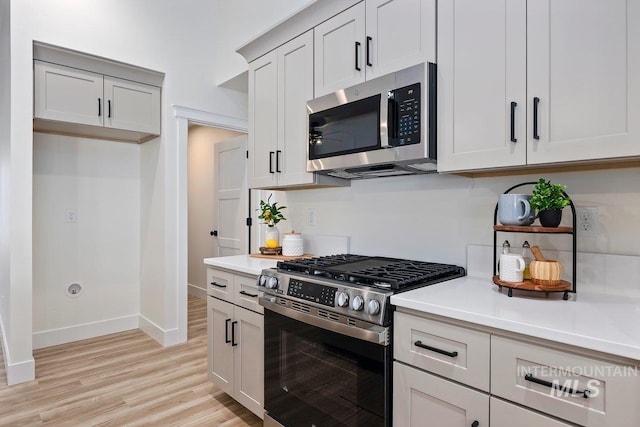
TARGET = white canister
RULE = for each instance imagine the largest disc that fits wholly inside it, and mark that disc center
(292, 244)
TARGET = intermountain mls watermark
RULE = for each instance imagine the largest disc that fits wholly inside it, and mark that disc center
(562, 382)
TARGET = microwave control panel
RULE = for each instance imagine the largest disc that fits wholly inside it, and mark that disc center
(405, 115)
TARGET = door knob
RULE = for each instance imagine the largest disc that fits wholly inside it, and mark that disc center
(213, 233)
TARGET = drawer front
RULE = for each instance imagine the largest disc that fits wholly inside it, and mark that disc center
(424, 400)
(556, 383)
(220, 284)
(451, 351)
(246, 293)
(503, 414)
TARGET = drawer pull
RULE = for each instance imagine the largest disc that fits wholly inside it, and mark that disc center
(218, 285)
(248, 294)
(572, 392)
(436, 350)
(475, 424)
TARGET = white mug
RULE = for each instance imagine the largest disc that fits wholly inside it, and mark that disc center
(511, 267)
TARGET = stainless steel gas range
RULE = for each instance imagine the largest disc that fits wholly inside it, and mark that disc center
(328, 337)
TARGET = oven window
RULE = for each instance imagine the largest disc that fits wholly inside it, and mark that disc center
(314, 377)
(348, 128)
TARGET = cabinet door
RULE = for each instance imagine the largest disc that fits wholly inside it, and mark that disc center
(220, 284)
(339, 51)
(68, 94)
(295, 88)
(263, 120)
(220, 352)
(400, 33)
(249, 360)
(503, 414)
(584, 67)
(131, 106)
(481, 71)
(424, 400)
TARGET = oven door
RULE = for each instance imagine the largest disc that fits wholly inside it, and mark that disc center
(317, 377)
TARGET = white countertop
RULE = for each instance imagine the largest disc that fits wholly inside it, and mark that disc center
(242, 263)
(605, 323)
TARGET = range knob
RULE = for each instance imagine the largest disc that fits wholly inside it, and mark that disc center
(342, 299)
(358, 303)
(272, 282)
(373, 307)
(262, 280)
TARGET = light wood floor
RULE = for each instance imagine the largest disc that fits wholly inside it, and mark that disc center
(124, 379)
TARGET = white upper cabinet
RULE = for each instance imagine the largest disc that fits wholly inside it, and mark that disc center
(373, 38)
(583, 61)
(481, 70)
(538, 82)
(339, 51)
(131, 105)
(67, 94)
(68, 99)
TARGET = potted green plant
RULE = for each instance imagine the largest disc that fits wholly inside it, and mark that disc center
(271, 214)
(549, 199)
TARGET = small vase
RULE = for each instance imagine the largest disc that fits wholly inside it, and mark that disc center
(550, 218)
(272, 237)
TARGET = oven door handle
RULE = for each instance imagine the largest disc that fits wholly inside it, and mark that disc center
(375, 333)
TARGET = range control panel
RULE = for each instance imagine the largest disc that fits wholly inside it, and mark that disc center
(319, 294)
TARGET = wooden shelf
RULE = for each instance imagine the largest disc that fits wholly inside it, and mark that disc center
(533, 229)
(528, 285)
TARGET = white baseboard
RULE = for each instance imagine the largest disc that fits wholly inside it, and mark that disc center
(20, 372)
(166, 337)
(197, 291)
(84, 331)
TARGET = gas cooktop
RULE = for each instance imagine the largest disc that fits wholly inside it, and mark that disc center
(377, 272)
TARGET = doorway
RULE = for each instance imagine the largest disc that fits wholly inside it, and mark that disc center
(217, 199)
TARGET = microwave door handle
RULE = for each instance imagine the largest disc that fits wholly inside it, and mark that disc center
(392, 119)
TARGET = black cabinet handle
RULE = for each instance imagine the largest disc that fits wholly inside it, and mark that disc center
(233, 333)
(475, 424)
(278, 152)
(271, 161)
(109, 108)
(513, 121)
(357, 50)
(569, 390)
(213, 233)
(226, 331)
(536, 101)
(436, 350)
(369, 39)
(218, 285)
(248, 294)
(99, 107)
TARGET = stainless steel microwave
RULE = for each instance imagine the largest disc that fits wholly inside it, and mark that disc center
(383, 127)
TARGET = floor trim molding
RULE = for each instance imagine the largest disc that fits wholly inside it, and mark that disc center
(197, 291)
(16, 373)
(84, 331)
(165, 337)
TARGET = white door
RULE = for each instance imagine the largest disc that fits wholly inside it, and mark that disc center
(583, 63)
(295, 81)
(340, 51)
(481, 72)
(390, 50)
(231, 196)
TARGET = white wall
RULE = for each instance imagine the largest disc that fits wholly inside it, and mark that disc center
(202, 215)
(173, 38)
(100, 182)
(434, 217)
(240, 21)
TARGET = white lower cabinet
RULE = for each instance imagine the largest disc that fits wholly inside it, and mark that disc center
(424, 400)
(504, 414)
(235, 328)
(440, 373)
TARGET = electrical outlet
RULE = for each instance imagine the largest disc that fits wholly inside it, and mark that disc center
(587, 221)
(71, 216)
(311, 217)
